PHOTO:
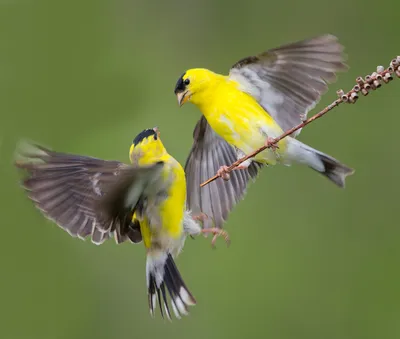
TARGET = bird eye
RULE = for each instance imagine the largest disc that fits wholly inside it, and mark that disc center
(187, 81)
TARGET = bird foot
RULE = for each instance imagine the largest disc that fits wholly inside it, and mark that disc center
(270, 141)
(224, 173)
(200, 217)
(217, 232)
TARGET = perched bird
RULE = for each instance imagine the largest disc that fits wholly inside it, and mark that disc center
(262, 97)
(102, 199)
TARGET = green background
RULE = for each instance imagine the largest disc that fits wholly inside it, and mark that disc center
(307, 259)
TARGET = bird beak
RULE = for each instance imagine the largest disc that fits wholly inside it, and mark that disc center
(155, 129)
(183, 97)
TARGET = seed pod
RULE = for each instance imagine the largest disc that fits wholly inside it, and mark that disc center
(353, 97)
(394, 63)
(365, 89)
(388, 77)
(380, 69)
(340, 93)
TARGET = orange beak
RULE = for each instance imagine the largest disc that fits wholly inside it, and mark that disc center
(183, 97)
(155, 129)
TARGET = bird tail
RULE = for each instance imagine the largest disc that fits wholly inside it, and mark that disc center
(318, 161)
(162, 276)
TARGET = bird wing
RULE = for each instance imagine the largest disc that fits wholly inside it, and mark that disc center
(128, 193)
(209, 152)
(67, 188)
(288, 81)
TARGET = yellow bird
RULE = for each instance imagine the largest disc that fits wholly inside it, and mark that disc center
(143, 201)
(262, 97)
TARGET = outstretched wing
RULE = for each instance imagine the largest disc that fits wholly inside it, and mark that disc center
(66, 189)
(209, 152)
(128, 193)
(288, 81)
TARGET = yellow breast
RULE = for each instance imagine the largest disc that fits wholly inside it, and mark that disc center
(171, 210)
(240, 120)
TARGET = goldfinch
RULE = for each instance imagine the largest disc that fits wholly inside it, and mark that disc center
(262, 97)
(144, 201)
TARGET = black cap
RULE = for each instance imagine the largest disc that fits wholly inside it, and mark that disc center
(144, 134)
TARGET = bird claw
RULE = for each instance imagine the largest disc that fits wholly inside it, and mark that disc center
(200, 217)
(270, 142)
(217, 232)
(224, 173)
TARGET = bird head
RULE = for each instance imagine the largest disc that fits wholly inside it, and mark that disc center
(194, 85)
(147, 147)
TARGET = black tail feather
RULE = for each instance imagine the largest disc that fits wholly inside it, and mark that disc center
(179, 295)
(334, 170)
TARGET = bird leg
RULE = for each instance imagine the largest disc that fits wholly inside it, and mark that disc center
(200, 217)
(270, 142)
(213, 230)
(217, 232)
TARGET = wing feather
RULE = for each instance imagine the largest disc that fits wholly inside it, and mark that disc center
(288, 81)
(67, 187)
(209, 152)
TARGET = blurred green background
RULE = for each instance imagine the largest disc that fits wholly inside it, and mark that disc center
(307, 259)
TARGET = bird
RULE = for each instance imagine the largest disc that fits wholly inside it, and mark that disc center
(262, 96)
(144, 201)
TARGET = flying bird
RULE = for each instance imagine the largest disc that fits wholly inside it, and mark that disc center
(263, 96)
(144, 201)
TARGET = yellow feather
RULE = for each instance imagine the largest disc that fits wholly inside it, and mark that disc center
(233, 114)
(171, 210)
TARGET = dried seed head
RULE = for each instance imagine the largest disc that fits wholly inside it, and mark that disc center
(368, 78)
(364, 91)
(345, 98)
(380, 69)
(360, 81)
(373, 75)
(388, 77)
(356, 88)
(366, 88)
(398, 72)
(340, 93)
(390, 69)
(377, 84)
(378, 77)
(353, 97)
(394, 63)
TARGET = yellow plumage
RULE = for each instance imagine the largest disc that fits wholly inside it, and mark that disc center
(143, 201)
(234, 114)
(262, 96)
(171, 210)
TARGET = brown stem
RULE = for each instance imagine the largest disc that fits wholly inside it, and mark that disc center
(371, 82)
